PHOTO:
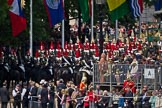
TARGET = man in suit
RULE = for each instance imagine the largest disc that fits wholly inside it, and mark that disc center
(16, 93)
(59, 87)
(24, 96)
(129, 98)
(145, 97)
(32, 96)
(4, 94)
(44, 96)
(32, 92)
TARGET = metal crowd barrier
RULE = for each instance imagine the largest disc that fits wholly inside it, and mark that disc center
(34, 102)
(115, 74)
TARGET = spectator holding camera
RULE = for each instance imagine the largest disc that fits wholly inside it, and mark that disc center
(16, 93)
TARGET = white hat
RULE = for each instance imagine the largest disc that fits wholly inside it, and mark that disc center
(42, 81)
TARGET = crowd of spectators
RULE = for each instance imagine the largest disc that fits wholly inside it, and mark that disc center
(144, 49)
(47, 94)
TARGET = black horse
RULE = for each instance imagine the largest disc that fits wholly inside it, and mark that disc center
(28, 64)
(63, 70)
(12, 71)
(42, 70)
(4, 73)
(80, 71)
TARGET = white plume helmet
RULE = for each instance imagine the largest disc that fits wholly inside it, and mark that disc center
(128, 75)
(106, 38)
(157, 34)
(146, 34)
(86, 39)
(114, 41)
(84, 78)
(120, 34)
(92, 39)
(132, 33)
(78, 39)
(71, 41)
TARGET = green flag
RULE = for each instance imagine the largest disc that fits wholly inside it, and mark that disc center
(84, 6)
(118, 8)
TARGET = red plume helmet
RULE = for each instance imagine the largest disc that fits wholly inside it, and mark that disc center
(66, 45)
(41, 46)
(28, 52)
(14, 53)
(58, 45)
(36, 54)
(1, 53)
(51, 45)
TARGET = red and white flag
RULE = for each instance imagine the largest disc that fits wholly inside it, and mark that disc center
(18, 21)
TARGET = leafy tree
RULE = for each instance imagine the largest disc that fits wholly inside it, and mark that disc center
(41, 29)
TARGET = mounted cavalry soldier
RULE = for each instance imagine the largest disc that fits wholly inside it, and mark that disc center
(41, 50)
(58, 52)
(96, 54)
(51, 50)
(79, 46)
(86, 46)
(77, 55)
(92, 46)
(71, 47)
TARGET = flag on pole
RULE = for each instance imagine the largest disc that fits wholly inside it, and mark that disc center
(85, 9)
(158, 5)
(118, 8)
(55, 11)
(136, 7)
(18, 21)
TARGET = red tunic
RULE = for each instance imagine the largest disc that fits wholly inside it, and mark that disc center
(129, 84)
(130, 47)
(86, 47)
(120, 44)
(113, 46)
(59, 53)
(108, 46)
(92, 46)
(139, 46)
(77, 53)
(66, 53)
(97, 53)
(36, 54)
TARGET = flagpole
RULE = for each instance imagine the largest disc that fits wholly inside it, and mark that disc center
(92, 19)
(140, 26)
(31, 28)
(62, 30)
(116, 29)
(63, 33)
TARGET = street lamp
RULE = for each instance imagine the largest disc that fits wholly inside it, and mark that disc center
(100, 16)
